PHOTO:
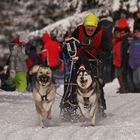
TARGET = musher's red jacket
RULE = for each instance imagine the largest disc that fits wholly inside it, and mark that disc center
(99, 40)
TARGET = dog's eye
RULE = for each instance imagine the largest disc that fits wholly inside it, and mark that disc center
(85, 74)
(41, 72)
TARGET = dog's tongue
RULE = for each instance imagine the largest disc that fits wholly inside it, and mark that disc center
(83, 82)
(43, 80)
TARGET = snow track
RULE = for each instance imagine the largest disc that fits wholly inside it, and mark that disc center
(19, 120)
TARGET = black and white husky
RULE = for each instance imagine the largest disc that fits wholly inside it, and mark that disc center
(87, 93)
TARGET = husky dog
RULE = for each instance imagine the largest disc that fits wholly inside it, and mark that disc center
(44, 92)
(87, 93)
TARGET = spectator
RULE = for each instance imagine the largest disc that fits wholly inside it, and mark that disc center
(17, 65)
(107, 23)
(31, 51)
(120, 31)
(51, 51)
(134, 57)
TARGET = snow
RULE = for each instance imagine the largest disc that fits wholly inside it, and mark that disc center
(19, 120)
(116, 5)
(60, 27)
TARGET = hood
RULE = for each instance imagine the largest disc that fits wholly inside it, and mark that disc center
(46, 37)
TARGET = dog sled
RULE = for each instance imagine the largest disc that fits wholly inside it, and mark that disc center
(68, 106)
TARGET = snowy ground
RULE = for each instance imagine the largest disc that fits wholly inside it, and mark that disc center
(19, 120)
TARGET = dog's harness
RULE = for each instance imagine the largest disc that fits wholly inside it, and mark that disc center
(44, 97)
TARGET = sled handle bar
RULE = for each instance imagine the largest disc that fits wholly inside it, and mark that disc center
(79, 43)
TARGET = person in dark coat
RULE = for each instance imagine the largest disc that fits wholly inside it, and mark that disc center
(107, 23)
(134, 57)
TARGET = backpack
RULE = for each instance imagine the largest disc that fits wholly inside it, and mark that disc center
(134, 53)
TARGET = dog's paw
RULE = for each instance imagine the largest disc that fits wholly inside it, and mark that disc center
(42, 125)
(93, 125)
(93, 121)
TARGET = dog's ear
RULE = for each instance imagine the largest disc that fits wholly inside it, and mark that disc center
(49, 71)
(34, 69)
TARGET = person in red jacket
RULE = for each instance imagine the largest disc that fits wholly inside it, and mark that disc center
(51, 51)
(121, 29)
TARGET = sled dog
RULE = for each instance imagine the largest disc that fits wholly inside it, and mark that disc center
(87, 94)
(44, 92)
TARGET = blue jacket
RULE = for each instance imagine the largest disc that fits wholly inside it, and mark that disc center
(134, 53)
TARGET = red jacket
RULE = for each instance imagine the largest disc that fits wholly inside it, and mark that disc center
(117, 52)
(50, 51)
(96, 39)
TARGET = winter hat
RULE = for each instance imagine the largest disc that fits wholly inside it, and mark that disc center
(81, 68)
(121, 23)
(91, 20)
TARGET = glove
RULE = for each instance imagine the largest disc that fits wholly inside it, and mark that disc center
(12, 73)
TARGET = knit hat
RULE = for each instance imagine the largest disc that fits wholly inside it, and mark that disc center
(91, 20)
(121, 23)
